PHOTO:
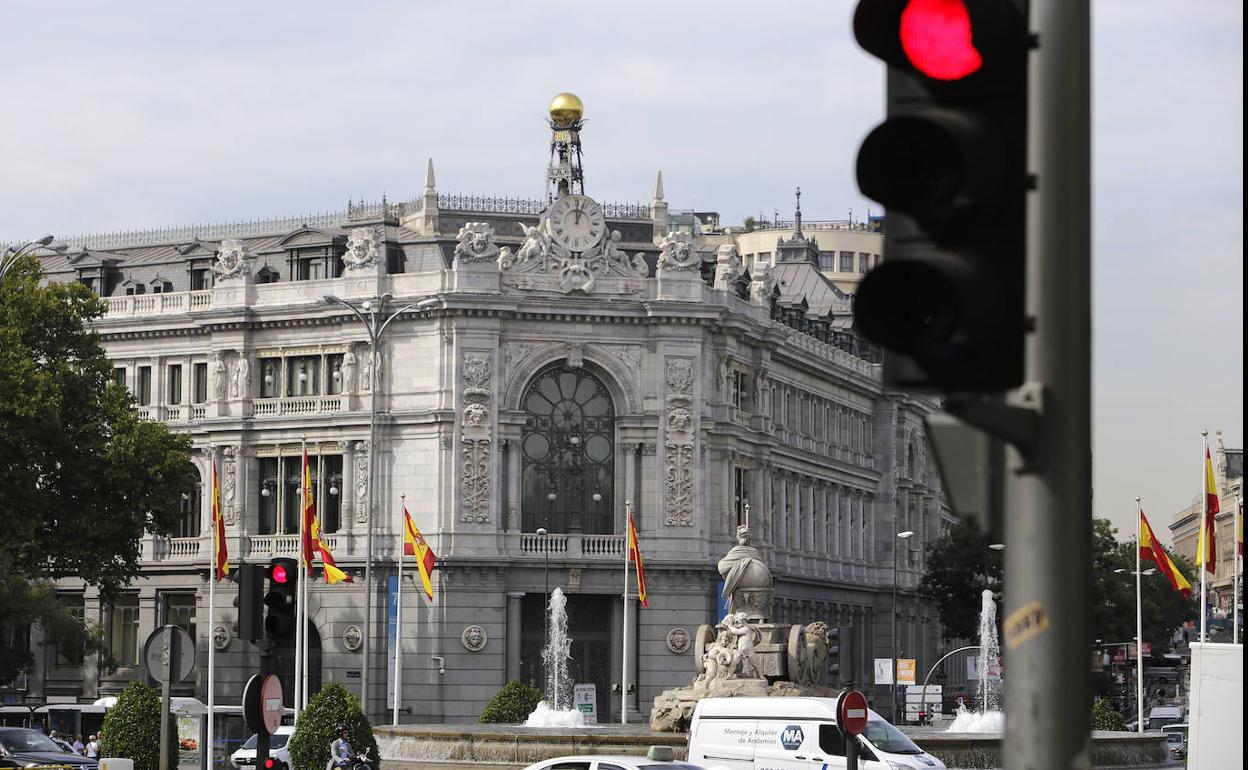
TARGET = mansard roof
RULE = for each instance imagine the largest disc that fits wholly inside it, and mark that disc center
(804, 280)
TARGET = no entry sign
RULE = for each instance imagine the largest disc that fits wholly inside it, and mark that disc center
(851, 712)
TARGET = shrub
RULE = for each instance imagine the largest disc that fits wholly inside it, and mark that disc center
(512, 704)
(332, 706)
(132, 728)
(1104, 717)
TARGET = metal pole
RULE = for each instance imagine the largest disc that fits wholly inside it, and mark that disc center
(1048, 582)
(304, 573)
(628, 552)
(371, 325)
(398, 630)
(1202, 558)
(1236, 558)
(212, 619)
(1139, 628)
(893, 674)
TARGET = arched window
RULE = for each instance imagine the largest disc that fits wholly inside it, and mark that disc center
(568, 447)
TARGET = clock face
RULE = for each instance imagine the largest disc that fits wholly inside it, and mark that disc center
(576, 222)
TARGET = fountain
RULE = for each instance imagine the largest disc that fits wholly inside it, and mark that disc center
(990, 718)
(557, 709)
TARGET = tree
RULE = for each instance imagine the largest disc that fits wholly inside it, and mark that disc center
(750, 224)
(1104, 717)
(132, 728)
(512, 704)
(333, 705)
(82, 478)
(960, 565)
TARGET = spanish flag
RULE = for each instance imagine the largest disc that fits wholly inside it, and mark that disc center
(414, 545)
(222, 567)
(1207, 547)
(1151, 550)
(634, 555)
(332, 573)
(310, 539)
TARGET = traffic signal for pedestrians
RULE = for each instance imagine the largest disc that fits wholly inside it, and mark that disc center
(280, 598)
(834, 655)
(949, 165)
(251, 601)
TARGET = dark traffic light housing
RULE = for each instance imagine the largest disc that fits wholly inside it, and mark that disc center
(251, 579)
(282, 578)
(949, 164)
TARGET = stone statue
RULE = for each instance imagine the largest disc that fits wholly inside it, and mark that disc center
(747, 579)
(218, 377)
(347, 370)
(534, 244)
(242, 379)
(738, 626)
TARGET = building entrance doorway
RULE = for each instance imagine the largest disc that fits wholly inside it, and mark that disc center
(589, 626)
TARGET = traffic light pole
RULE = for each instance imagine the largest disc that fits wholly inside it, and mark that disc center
(1048, 577)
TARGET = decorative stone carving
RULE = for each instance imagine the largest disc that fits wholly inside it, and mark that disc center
(220, 637)
(218, 376)
(363, 249)
(361, 481)
(347, 371)
(573, 271)
(352, 637)
(229, 484)
(728, 267)
(747, 579)
(473, 638)
(366, 372)
(678, 641)
(476, 244)
(678, 255)
(240, 384)
(476, 437)
(762, 286)
(679, 444)
(574, 580)
(233, 260)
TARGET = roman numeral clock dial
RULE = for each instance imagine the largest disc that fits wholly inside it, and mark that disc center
(576, 222)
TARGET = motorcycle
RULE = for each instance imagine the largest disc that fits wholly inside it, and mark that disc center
(363, 761)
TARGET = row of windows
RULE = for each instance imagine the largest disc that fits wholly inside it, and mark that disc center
(279, 498)
(173, 383)
(849, 262)
(821, 419)
(121, 625)
(280, 376)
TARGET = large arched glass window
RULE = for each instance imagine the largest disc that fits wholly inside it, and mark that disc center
(568, 449)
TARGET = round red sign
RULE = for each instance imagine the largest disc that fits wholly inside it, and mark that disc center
(851, 712)
(271, 703)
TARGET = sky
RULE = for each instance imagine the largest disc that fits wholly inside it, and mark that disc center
(139, 114)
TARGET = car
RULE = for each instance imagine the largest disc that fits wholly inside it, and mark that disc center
(1176, 740)
(279, 750)
(24, 747)
(612, 762)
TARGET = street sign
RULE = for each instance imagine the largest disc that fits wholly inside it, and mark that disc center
(585, 700)
(906, 671)
(851, 712)
(883, 670)
(166, 644)
(262, 704)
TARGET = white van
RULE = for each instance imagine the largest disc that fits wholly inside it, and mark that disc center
(793, 734)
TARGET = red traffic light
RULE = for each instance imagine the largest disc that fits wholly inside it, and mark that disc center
(270, 763)
(278, 573)
(937, 38)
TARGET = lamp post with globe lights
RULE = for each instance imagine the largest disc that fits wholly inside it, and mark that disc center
(11, 255)
(372, 313)
(903, 538)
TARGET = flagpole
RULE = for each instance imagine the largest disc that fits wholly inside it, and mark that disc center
(1237, 556)
(305, 570)
(628, 552)
(1203, 540)
(320, 527)
(1139, 624)
(398, 621)
(212, 615)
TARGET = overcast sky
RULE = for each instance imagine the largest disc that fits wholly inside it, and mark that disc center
(146, 114)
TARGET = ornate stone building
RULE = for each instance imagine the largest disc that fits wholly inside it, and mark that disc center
(560, 359)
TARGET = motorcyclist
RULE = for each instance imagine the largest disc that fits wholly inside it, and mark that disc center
(340, 752)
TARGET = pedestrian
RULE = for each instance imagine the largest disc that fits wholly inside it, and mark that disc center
(78, 746)
(93, 747)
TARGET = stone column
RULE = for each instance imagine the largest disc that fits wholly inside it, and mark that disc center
(514, 494)
(513, 635)
(782, 512)
(629, 450)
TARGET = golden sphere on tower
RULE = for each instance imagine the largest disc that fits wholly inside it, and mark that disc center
(566, 110)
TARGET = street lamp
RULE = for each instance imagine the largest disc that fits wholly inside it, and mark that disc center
(903, 537)
(541, 534)
(10, 256)
(372, 313)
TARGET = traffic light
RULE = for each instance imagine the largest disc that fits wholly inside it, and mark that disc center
(834, 655)
(949, 165)
(279, 599)
(251, 601)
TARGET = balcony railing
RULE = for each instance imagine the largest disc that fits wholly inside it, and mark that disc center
(282, 545)
(275, 407)
(574, 545)
(156, 304)
(172, 412)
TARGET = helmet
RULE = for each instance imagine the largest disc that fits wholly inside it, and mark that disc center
(341, 729)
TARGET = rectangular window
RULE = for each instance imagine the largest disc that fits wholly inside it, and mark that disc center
(66, 655)
(187, 524)
(270, 377)
(831, 741)
(123, 631)
(847, 261)
(267, 494)
(200, 279)
(286, 496)
(199, 387)
(827, 260)
(334, 384)
(144, 386)
(303, 376)
(119, 375)
(178, 609)
(741, 492)
(741, 396)
(175, 384)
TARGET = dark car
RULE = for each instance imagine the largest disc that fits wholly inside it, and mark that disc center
(23, 747)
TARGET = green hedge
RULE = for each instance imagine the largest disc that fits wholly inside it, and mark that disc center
(1104, 717)
(512, 704)
(332, 706)
(132, 729)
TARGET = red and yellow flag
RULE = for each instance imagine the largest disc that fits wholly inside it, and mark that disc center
(414, 545)
(1207, 546)
(222, 567)
(1151, 550)
(634, 555)
(310, 540)
(332, 572)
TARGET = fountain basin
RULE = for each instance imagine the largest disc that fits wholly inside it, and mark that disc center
(505, 747)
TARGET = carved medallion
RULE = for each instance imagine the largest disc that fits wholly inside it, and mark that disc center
(473, 638)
